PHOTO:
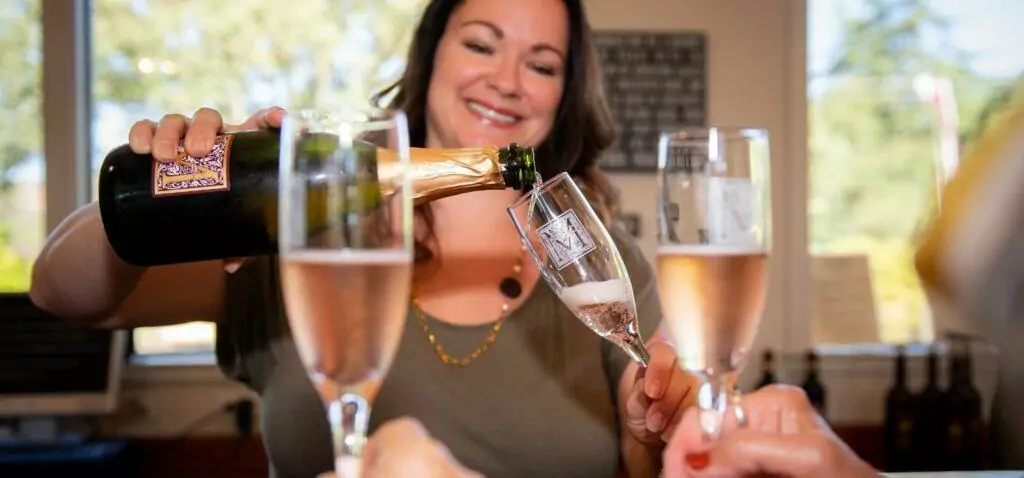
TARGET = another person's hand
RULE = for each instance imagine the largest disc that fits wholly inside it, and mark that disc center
(402, 447)
(784, 437)
(197, 134)
(660, 395)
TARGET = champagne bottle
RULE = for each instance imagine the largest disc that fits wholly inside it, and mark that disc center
(899, 420)
(930, 419)
(767, 369)
(224, 204)
(964, 428)
(812, 385)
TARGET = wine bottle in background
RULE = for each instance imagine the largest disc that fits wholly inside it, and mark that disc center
(812, 385)
(898, 430)
(930, 419)
(767, 369)
(963, 424)
(224, 205)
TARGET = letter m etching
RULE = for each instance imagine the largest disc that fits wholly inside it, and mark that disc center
(565, 239)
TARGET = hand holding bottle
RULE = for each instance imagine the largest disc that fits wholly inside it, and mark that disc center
(197, 134)
(784, 437)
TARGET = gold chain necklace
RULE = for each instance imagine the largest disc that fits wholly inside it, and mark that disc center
(476, 353)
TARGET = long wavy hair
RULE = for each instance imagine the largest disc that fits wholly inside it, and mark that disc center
(581, 131)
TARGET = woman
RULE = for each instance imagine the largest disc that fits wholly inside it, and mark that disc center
(538, 394)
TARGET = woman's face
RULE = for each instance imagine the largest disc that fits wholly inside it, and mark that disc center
(498, 74)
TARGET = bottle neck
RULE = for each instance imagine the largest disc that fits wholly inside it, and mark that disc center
(933, 369)
(518, 167)
(437, 173)
(901, 370)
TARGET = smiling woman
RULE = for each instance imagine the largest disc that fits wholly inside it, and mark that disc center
(479, 73)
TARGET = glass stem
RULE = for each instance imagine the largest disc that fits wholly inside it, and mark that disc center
(713, 399)
(737, 407)
(349, 417)
(634, 346)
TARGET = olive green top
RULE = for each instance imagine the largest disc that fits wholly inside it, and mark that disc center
(541, 402)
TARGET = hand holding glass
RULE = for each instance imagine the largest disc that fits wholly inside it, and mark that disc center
(345, 246)
(579, 261)
(714, 227)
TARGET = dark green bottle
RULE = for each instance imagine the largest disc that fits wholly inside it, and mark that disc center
(224, 205)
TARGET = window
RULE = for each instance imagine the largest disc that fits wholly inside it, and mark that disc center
(22, 175)
(152, 57)
(897, 92)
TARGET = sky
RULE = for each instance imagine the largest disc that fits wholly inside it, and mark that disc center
(990, 30)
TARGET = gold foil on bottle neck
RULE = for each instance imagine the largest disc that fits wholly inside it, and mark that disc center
(437, 173)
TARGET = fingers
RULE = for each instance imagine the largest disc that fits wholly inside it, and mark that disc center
(168, 132)
(637, 405)
(198, 134)
(265, 118)
(660, 370)
(751, 451)
(781, 408)
(669, 409)
(206, 124)
(140, 137)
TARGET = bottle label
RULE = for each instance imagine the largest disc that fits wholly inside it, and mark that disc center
(188, 174)
(565, 239)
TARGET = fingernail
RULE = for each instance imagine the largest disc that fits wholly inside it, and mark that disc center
(656, 422)
(698, 461)
(654, 389)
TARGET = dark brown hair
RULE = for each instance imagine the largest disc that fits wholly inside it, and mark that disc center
(582, 127)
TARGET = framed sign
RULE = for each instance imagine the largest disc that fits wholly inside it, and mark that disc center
(655, 82)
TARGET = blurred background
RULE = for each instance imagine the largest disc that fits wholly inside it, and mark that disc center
(871, 104)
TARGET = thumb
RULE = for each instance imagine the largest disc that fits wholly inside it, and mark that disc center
(749, 452)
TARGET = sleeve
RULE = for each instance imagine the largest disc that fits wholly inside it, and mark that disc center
(252, 316)
(645, 292)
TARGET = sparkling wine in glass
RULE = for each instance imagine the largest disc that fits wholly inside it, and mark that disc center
(345, 250)
(579, 261)
(714, 227)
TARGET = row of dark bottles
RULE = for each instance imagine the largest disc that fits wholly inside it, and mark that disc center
(935, 428)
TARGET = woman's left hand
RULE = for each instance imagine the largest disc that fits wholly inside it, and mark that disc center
(659, 396)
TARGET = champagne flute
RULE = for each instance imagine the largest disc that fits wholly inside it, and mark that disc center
(345, 249)
(579, 261)
(714, 227)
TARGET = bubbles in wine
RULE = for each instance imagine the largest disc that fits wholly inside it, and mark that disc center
(606, 307)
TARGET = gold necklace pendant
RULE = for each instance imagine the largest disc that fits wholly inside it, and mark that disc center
(517, 268)
(475, 354)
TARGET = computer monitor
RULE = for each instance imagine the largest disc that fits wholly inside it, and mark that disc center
(52, 368)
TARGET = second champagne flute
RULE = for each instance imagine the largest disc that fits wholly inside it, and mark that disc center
(579, 261)
(345, 241)
(714, 228)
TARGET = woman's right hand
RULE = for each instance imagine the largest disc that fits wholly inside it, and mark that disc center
(784, 437)
(198, 132)
(161, 138)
